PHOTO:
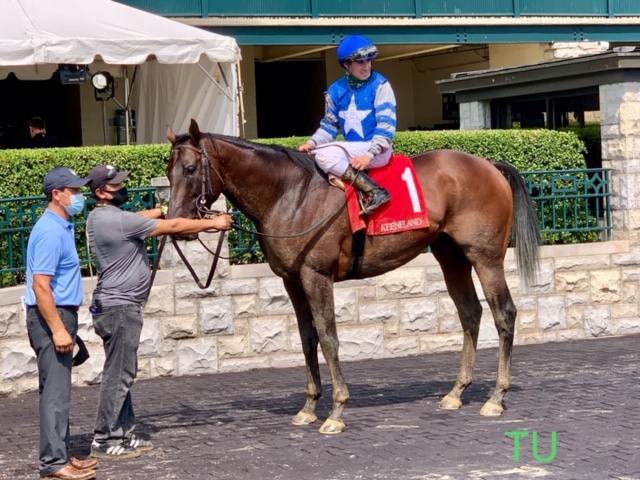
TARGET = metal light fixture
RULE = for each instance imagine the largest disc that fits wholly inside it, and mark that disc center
(103, 86)
(72, 74)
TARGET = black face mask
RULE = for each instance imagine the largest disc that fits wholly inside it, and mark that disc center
(120, 197)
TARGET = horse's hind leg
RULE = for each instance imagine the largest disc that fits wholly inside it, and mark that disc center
(457, 275)
(309, 338)
(504, 313)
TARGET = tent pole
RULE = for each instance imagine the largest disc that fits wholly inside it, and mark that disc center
(242, 120)
(213, 80)
(126, 103)
(104, 122)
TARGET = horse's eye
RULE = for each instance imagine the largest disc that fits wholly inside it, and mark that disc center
(191, 169)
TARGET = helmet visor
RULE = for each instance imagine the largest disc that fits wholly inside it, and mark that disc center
(363, 54)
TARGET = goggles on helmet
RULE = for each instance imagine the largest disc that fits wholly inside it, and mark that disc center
(362, 54)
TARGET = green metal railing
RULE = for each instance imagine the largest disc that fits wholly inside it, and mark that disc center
(572, 202)
(243, 246)
(19, 215)
(573, 206)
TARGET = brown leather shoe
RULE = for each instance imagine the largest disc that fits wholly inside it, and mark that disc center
(69, 472)
(85, 464)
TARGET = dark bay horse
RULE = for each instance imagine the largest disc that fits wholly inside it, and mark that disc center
(472, 205)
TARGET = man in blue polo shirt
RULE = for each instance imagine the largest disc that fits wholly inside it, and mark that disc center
(54, 293)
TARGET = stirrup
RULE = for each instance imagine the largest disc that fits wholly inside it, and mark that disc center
(378, 198)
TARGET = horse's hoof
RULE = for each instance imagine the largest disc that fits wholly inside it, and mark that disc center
(491, 409)
(450, 403)
(303, 418)
(331, 427)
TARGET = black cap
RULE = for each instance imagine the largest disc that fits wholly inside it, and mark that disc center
(102, 175)
(62, 177)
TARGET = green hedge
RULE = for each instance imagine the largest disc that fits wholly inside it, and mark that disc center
(526, 150)
(22, 171)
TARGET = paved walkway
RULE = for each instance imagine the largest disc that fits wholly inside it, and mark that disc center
(237, 426)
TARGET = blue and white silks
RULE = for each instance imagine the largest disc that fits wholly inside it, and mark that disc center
(367, 118)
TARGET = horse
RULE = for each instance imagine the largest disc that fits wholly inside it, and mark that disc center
(476, 208)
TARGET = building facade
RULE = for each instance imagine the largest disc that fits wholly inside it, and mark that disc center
(289, 47)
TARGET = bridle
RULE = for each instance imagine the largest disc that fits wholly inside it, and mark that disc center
(206, 166)
(203, 209)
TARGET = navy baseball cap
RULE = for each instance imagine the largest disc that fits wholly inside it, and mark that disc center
(103, 175)
(62, 177)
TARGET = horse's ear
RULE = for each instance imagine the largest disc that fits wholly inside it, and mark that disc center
(194, 131)
(171, 136)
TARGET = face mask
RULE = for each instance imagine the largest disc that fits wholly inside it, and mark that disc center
(77, 204)
(120, 197)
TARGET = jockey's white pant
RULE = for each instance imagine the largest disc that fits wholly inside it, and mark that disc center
(334, 157)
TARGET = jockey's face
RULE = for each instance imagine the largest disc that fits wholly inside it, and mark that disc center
(360, 69)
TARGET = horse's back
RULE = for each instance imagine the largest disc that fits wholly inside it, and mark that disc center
(463, 191)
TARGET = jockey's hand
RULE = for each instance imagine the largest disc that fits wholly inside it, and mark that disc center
(361, 162)
(305, 147)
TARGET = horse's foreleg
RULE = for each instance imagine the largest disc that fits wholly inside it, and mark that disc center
(319, 290)
(309, 338)
(504, 314)
(457, 275)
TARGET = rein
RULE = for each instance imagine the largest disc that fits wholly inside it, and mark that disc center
(193, 273)
(214, 263)
(201, 201)
(201, 205)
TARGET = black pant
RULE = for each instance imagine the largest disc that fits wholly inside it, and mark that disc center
(54, 371)
(119, 327)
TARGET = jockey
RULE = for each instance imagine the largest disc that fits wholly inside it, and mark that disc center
(362, 104)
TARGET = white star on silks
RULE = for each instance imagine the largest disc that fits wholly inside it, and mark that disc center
(353, 118)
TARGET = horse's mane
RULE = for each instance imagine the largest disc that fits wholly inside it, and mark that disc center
(272, 153)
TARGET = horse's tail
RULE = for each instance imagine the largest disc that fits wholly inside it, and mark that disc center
(525, 232)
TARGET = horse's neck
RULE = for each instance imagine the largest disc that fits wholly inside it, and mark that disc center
(258, 186)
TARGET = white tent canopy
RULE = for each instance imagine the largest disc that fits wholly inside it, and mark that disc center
(183, 66)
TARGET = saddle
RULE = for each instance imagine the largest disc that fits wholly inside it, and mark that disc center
(407, 209)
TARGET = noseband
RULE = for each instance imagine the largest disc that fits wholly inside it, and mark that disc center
(206, 165)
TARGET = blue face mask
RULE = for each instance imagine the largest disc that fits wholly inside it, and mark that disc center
(77, 204)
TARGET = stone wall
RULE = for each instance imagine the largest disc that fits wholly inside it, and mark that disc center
(244, 320)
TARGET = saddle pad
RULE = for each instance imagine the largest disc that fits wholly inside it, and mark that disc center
(407, 209)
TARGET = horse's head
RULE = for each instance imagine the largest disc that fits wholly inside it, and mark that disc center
(193, 175)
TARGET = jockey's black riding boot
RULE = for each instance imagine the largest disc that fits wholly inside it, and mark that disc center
(376, 195)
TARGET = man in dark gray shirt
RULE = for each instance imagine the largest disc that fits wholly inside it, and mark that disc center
(116, 239)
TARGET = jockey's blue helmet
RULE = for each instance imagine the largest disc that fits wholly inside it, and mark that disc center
(354, 48)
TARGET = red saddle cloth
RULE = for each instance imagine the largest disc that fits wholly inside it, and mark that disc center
(407, 209)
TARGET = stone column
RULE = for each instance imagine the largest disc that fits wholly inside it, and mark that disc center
(620, 127)
(475, 116)
(558, 50)
(199, 258)
(162, 189)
